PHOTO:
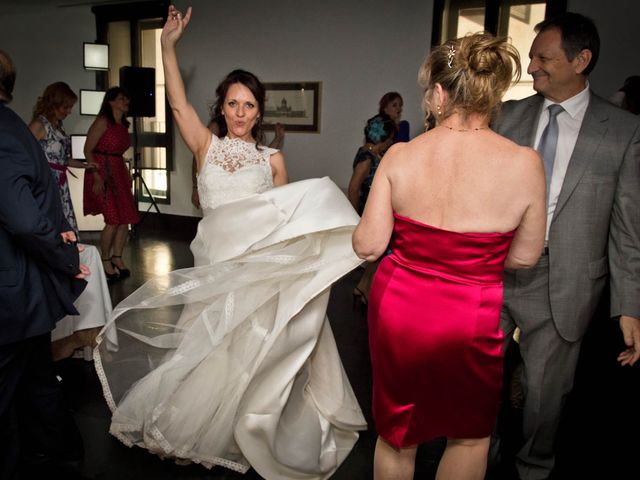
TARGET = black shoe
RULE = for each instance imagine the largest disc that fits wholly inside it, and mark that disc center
(123, 272)
(111, 276)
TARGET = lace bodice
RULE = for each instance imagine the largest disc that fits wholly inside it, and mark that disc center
(233, 169)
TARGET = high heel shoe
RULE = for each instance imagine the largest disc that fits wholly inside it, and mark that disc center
(124, 272)
(110, 276)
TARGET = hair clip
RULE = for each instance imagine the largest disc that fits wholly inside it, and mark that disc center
(450, 55)
(375, 129)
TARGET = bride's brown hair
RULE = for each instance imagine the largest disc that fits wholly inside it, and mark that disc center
(256, 87)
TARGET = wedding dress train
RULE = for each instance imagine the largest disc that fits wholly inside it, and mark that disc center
(233, 362)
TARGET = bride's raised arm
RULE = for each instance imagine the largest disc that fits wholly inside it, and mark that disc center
(193, 131)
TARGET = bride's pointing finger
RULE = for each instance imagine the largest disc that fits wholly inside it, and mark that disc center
(186, 18)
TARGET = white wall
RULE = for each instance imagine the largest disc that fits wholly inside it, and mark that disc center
(358, 50)
(357, 53)
(617, 22)
(45, 42)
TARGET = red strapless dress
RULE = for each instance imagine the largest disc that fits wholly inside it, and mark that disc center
(436, 346)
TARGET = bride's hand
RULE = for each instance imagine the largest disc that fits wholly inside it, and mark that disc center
(174, 26)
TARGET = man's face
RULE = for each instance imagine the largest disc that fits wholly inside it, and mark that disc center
(554, 76)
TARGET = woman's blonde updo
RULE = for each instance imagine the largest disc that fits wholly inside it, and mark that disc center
(475, 70)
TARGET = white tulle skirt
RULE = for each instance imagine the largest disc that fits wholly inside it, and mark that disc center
(233, 362)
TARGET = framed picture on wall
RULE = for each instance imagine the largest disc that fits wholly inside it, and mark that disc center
(296, 105)
(90, 101)
(77, 146)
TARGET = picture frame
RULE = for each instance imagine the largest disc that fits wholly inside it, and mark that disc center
(90, 101)
(95, 56)
(296, 105)
(77, 146)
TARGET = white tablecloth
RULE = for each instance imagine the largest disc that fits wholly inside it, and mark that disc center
(94, 305)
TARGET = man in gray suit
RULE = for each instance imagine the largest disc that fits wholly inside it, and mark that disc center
(591, 152)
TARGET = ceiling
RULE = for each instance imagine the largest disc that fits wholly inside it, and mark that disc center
(18, 6)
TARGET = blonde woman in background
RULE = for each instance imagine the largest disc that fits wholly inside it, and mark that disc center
(52, 108)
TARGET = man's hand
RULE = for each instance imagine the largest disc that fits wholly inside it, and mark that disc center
(69, 237)
(84, 272)
(630, 327)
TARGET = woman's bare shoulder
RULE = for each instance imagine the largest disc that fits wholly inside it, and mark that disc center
(37, 128)
(404, 151)
(101, 121)
(396, 150)
(528, 157)
(526, 168)
(393, 159)
(524, 155)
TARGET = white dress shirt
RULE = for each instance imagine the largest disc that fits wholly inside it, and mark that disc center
(569, 123)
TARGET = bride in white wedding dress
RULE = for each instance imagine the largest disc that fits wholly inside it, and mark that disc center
(233, 362)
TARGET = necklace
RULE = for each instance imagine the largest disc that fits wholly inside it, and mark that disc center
(464, 129)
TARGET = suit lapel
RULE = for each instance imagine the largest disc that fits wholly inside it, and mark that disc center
(525, 133)
(592, 131)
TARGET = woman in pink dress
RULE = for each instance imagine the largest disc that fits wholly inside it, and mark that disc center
(458, 203)
(107, 190)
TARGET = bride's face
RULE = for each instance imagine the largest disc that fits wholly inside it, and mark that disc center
(240, 112)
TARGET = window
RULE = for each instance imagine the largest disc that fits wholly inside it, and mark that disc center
(133, 34)
(518, 22)
(513, 18)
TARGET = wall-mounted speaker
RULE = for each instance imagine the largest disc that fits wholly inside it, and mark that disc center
(140, 84)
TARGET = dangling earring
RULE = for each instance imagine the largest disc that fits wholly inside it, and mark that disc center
(439, 110)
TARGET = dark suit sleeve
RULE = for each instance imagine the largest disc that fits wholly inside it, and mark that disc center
(20, 215)
(624, 234)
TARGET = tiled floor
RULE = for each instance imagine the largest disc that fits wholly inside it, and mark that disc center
(599, 438)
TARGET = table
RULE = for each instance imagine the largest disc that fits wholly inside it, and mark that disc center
(75, 332)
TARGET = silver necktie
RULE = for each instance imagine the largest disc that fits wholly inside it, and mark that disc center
(549, 142)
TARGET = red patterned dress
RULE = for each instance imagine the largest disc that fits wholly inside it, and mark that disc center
(117, 205)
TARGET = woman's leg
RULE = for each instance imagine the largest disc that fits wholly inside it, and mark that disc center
(106, 243)
(464, 459)
(118, 246)
(392, 464)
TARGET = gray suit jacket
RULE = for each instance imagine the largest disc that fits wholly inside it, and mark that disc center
(596, 225)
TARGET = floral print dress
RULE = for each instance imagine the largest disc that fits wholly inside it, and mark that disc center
(57, 148)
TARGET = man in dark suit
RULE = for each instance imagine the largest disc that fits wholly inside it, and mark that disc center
(40, 277)
(591, 151)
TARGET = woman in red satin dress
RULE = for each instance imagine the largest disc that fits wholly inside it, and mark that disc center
(107, 190)
(458, 204)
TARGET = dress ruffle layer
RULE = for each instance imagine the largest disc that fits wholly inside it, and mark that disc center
(233, 362)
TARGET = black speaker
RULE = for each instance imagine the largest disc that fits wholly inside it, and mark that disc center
(140, 84)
